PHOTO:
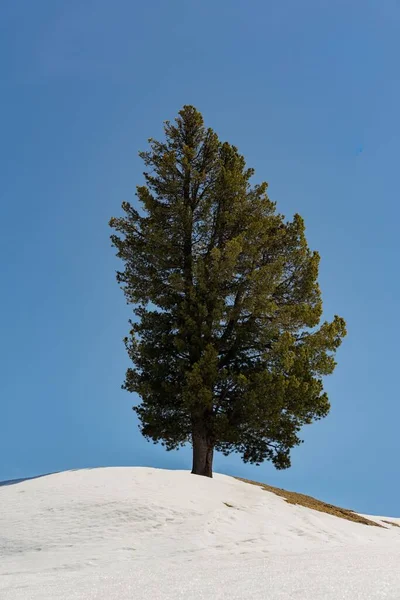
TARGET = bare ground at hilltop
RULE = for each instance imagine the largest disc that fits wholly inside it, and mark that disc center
(313, 503)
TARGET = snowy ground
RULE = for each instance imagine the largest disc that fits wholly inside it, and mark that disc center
(134, 533)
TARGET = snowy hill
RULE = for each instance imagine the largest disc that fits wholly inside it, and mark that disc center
(135, 533)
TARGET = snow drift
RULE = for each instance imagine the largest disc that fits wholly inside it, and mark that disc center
(135, 533)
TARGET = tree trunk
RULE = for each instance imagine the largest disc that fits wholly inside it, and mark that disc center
(203, 453)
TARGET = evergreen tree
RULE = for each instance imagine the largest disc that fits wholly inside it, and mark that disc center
(226, 347)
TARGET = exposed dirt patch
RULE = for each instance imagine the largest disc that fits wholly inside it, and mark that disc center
(390, 523)
(313, 503)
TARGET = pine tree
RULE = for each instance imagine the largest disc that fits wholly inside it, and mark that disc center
(227, 348)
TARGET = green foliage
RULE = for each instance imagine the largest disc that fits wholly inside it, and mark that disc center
(227, 332)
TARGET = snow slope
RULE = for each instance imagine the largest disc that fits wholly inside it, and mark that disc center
(135, 533)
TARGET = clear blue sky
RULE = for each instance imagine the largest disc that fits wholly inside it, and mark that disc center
(310, 92)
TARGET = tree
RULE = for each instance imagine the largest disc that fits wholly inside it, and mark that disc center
(226, 349)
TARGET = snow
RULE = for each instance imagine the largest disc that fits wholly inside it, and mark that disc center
(136, 533)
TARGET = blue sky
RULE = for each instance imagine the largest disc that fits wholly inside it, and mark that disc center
(310, 93)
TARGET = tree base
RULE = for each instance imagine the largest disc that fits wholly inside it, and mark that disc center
(203, 474)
